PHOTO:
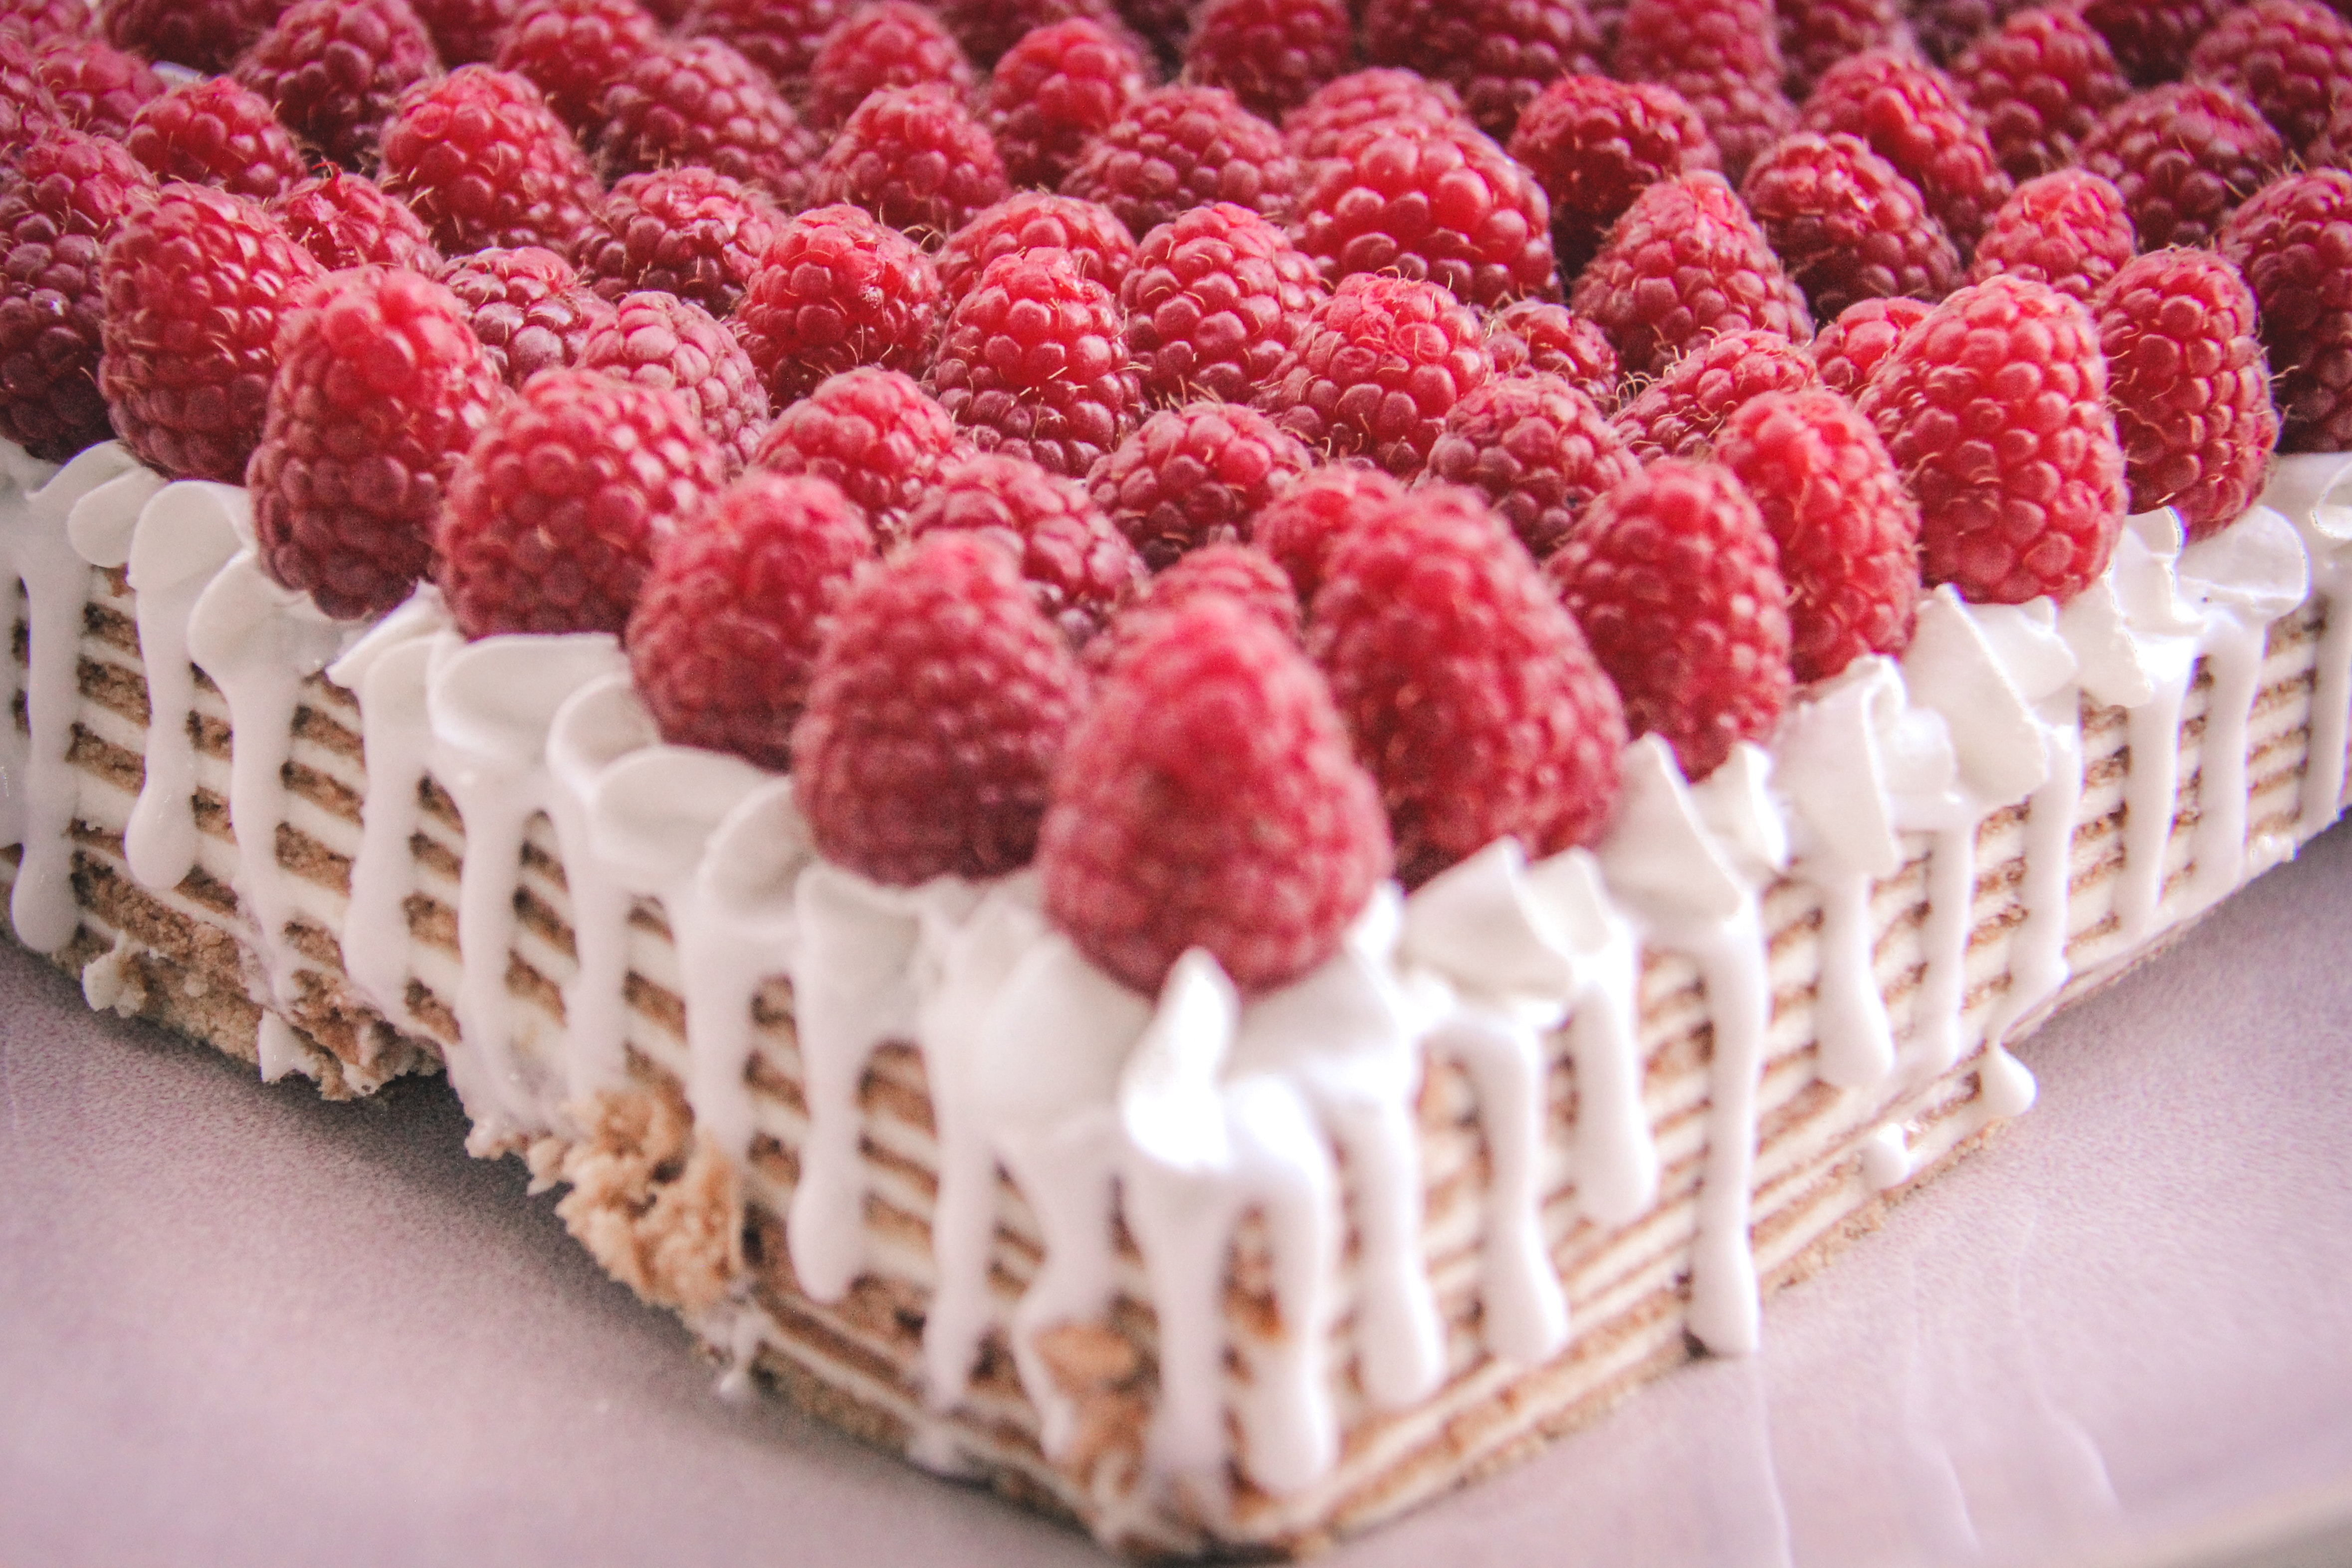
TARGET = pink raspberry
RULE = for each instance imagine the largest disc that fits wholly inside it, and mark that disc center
(780, 37)
(1446, 204)
(914, 158)
(1215, 299)
(28, 108)
(332, 70)
(1271, 55)
(1594, 145)
(2291, 59)
(1056, 90)
(1300, 528)
(2291, 243)
(205, 36)
(2040, 83)
(835, 290)
(1183, 147)
(64, 197)
(1914, 116)
(1535, 335)
(2068, 229)
(43, 23)
(2184, 156)
(1376, 370)
(528, 307)
(658, 340)
(574, 50)
(1079, 568)
(1678, 414)
(215, 133)
(884, 43)
(348, 220)
(1241, 573)
(1846, 224)
(1315, 129)
(1536, 448)
(97, 88)
(2152, 38)
(479, 156)
(1849, 350)
(701, 103)
(1034, 361)
(1817, 34)
(1036, 220)
(687, 231)
(1195, 476)
(875, 434)
(1724, 57)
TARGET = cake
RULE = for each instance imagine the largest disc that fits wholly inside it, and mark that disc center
(1204, 1265)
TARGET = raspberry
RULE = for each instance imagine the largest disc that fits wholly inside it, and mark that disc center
(333, 68)
(215, 133)
(886, 43)
(43, 23)
(1035, 220)
(2039, 83)
(1470, 693)
(1535, 335)
(1498, 54)
(1271, 55)
(1814, 35)
(1214, 300)
(1913, 117)
(1676, 584)
(97, 87)
(28, 109)
(465, 32)
(2189, 384)
(2290, 58)
(1207, 799)
(1846, 224)
(1724, 57)
(574, 50)
(528, 307)
(1241, 573)
(1300, 528)
(2184, 156)
(690, 232)
(1181, 147)
(1158, 26)
(1994, 409)
(59, 204)
(1677, 416)
(724, 636)
(1945, 29)
(1195, 475)
(195, 284)
(1034, 361)
(479, 156)
(661, 340)
(1848, 350)
(1686, 262)
(1594, 145)
(202, 34)
(347, 220)
(780, 37)
(2068, 229)
(835, 290)
(1056, 90)
(381, 387)
(701, 103)
(914, 158)
(1079, 568)
(1848, 535)
(2152, 38)
(989, 28)
(555, 513)
(939, 704)
(1374, 371)
(1536, 448)
(875, 434)
(1447, 205)
(2291, 243)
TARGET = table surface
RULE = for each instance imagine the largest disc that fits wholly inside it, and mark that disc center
(240, 1325)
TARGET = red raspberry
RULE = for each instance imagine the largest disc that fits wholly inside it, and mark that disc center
(1846, 224)
(381, 387)
(1159, 27)
(1724, 57)
(1056, 90)
(1848, 535)
(97, 87)
(1470, 693)
(465, 32)
(1214, 300)
(701, 103)
(195, 284)
(780, 37)
(885, 43)
(1913, 117)
(1945, 29)
(1498, 54)
(914, 158)
(1814, 35)
(690, 232)
(1079, 568)
(1269, 54)
(59, 204)
(1301, 527)
(1241, 573)
(1208, 800)
(1994, 409)
(1848, 350)
(43, 23)
(2291, 59)
(1447, 205)
(1594, 145)
(528, 307)
(1036, 220)
(555, 513)
(2189, 384)
(2152, 38)
(1034, 361)
(1686, 262)
(725, 637)
(28, 109)
(202, 34)
(2293, 244)
(1181, 147)
(1535, 335)
(940, 705)
(215, 133)
(875, 434)
(347, 220)
(989, 28)
(1678, 414)
(835, 290)
(479, 156)
(2039, 83)
(1374, 371)
(1315, 129)
(333, 68)
(574, 50)
(1676, 584)
(1195, 475)
(1536, 448)
(2068, 229)
(2184, 156)
(661, 340)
